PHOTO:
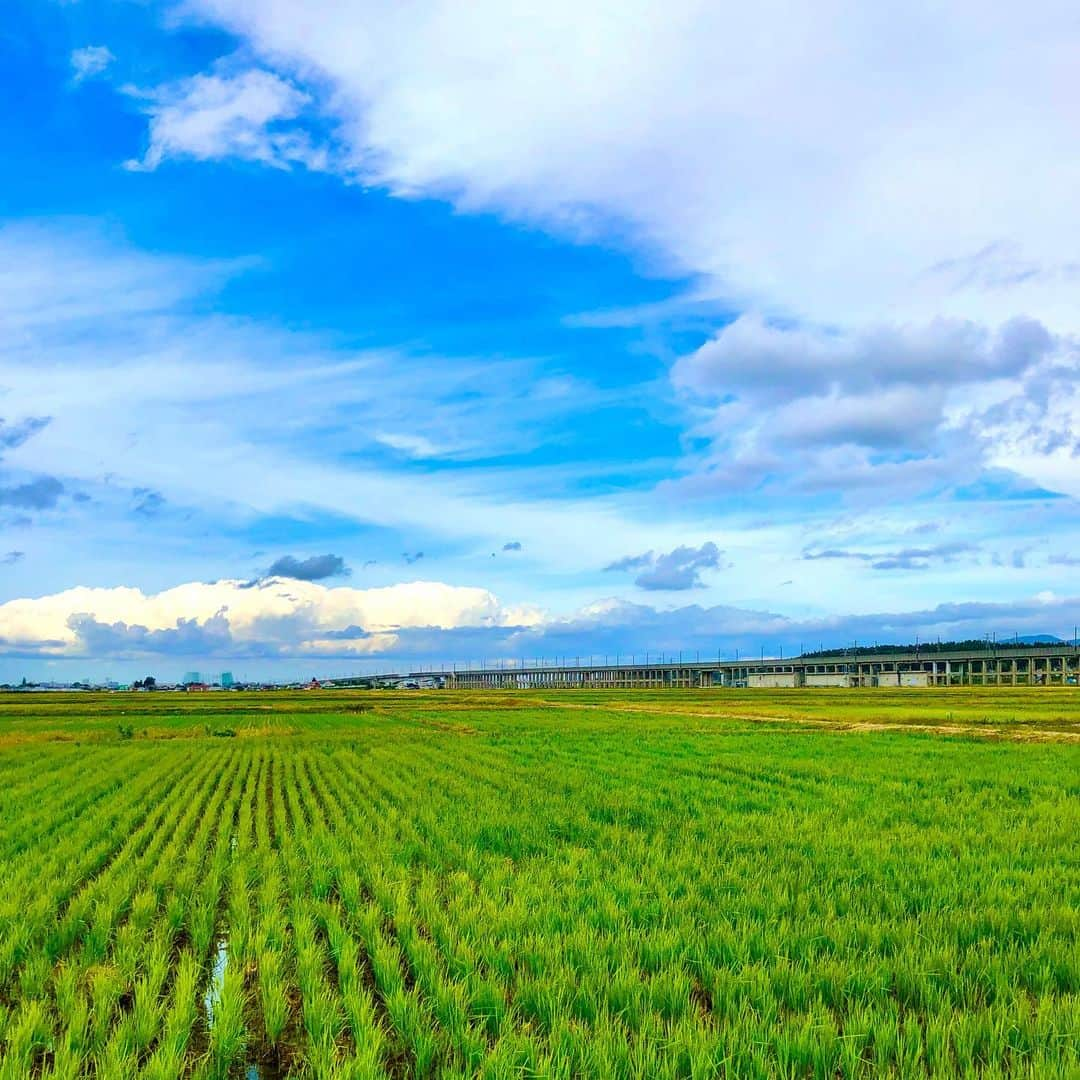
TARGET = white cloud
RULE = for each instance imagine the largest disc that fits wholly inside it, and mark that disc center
(234, 617)
(414, 446)
(245, 115)
(837, 161)
(90, 61)
(277, 619)
(896, 408)
(145, 392)
(889, 183)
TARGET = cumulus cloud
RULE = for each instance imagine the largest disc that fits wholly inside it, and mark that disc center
(90, 61)
(276, 620)
(272, 618)
(186, 636)
(903, 409)
(246, 114)
(674, 570)
(313, 568)
(752, 357)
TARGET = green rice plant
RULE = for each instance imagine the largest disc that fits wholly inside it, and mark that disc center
(169, 1057)
(636, 885)
(28, 1036)
(228, 1036)
(272, 995)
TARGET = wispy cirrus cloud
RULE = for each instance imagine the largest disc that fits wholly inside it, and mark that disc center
(909, 558)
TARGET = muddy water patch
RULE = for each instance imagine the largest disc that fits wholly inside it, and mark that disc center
(218, 967)
(250, 1060)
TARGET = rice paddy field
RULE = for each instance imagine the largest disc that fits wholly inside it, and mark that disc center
(371, 884)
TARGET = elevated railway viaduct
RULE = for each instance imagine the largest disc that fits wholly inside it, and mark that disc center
(1001, 666)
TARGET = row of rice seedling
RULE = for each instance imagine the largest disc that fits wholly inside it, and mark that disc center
(225, 995)
(40, 884)
(203, 882)
(764, 953)
(445, 1019)
(113, 969)
(110, 952)
(390, 1020)
(37, 944)
(178, 899)
(527, 897)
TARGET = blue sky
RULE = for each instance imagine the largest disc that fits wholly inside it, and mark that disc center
(363, 334)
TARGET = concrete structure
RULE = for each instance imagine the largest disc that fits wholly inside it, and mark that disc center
(1043, 665)
(779, 680)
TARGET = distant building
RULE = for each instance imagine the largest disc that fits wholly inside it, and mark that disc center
(227, 680)
(191, 677)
